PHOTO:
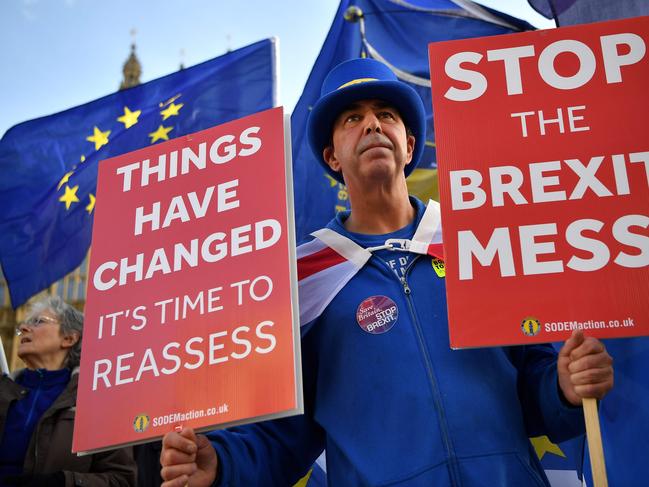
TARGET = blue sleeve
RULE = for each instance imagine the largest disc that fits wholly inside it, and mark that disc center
(277, 452)
(546, 412)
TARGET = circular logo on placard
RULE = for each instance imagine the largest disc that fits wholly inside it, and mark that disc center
(141, 423)
(531, 326)
(377, 314)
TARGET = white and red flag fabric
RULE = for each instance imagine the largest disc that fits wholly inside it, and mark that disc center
(326, 263)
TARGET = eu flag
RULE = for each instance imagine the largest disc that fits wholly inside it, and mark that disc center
(49, 165)
(624, 415)
(624, 423)
(396, 33)
(562, 462)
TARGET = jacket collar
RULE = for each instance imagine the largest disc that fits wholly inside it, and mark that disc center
(16, 373)
(338, 223)
(427, 238)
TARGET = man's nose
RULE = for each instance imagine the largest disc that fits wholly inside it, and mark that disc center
(372, 124)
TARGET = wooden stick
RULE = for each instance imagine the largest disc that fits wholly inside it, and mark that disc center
(595, 449)
(4, 367)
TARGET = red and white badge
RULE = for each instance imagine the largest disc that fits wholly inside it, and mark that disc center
(377, 314)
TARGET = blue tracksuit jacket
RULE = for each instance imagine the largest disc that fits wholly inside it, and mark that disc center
(401, 408)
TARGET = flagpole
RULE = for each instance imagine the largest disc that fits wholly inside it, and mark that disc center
(595, 449)
(4, 367)
(275, 64)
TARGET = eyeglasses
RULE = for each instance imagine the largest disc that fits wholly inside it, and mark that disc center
(34, 322)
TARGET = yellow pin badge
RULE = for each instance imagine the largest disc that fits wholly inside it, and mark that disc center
(438, 266)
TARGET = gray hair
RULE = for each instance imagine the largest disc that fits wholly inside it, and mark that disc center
(71, 321)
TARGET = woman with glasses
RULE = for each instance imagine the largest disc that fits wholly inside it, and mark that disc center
(37, 407)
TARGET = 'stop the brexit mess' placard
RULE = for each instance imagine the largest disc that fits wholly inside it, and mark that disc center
(190, 317)
(543, 146)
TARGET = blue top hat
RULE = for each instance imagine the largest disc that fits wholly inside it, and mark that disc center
(363, 79)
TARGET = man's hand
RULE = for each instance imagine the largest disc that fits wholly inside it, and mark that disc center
(187, 459)
(585, 368)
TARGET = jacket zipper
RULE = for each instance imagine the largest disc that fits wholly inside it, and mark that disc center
(37, 427)
(441, 416)
(37, 394)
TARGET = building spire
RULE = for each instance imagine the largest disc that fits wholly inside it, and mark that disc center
(132, 68)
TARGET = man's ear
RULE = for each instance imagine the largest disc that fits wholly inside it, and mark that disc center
(329, 156)
(410, 148)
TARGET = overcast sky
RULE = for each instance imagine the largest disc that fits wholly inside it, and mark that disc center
(57, 54)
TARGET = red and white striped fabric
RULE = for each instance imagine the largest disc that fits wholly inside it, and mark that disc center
(330, 260)
(428, 236)
(324, 266)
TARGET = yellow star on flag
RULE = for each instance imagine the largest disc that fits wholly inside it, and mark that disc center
(332, 181)
(82, 158)
(543, 445)
(129, 118)
(171, 110)
(70, 196)
(304, 480)
(99, 138)
(64, 179)
(160, 134)
(91, 205)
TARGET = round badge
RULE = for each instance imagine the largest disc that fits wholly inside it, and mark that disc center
(377, 314)
(530, 326)
(141, 423)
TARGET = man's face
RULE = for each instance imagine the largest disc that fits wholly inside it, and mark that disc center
(370, 144)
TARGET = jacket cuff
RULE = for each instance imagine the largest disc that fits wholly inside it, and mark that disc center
(224, 466)
(569, 417)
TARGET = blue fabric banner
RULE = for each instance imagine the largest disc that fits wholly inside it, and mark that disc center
(395, 32)
(562, 462)
(49, 165)
(624, 415)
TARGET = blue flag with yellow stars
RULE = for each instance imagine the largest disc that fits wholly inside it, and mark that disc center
(49, 165)
(562, 462)
(624, 415)
(396, 33)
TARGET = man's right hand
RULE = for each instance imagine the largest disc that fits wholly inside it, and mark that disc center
(187, 459)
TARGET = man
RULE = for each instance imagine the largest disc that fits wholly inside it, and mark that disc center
(392, 404)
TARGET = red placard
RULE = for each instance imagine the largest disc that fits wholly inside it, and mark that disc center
(543, 152)
(191, 316)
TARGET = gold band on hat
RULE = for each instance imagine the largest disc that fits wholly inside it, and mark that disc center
(356, 82)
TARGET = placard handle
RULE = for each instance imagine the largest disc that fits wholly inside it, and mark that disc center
(595, 449)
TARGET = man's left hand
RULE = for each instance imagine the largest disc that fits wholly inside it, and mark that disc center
(585, 368)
